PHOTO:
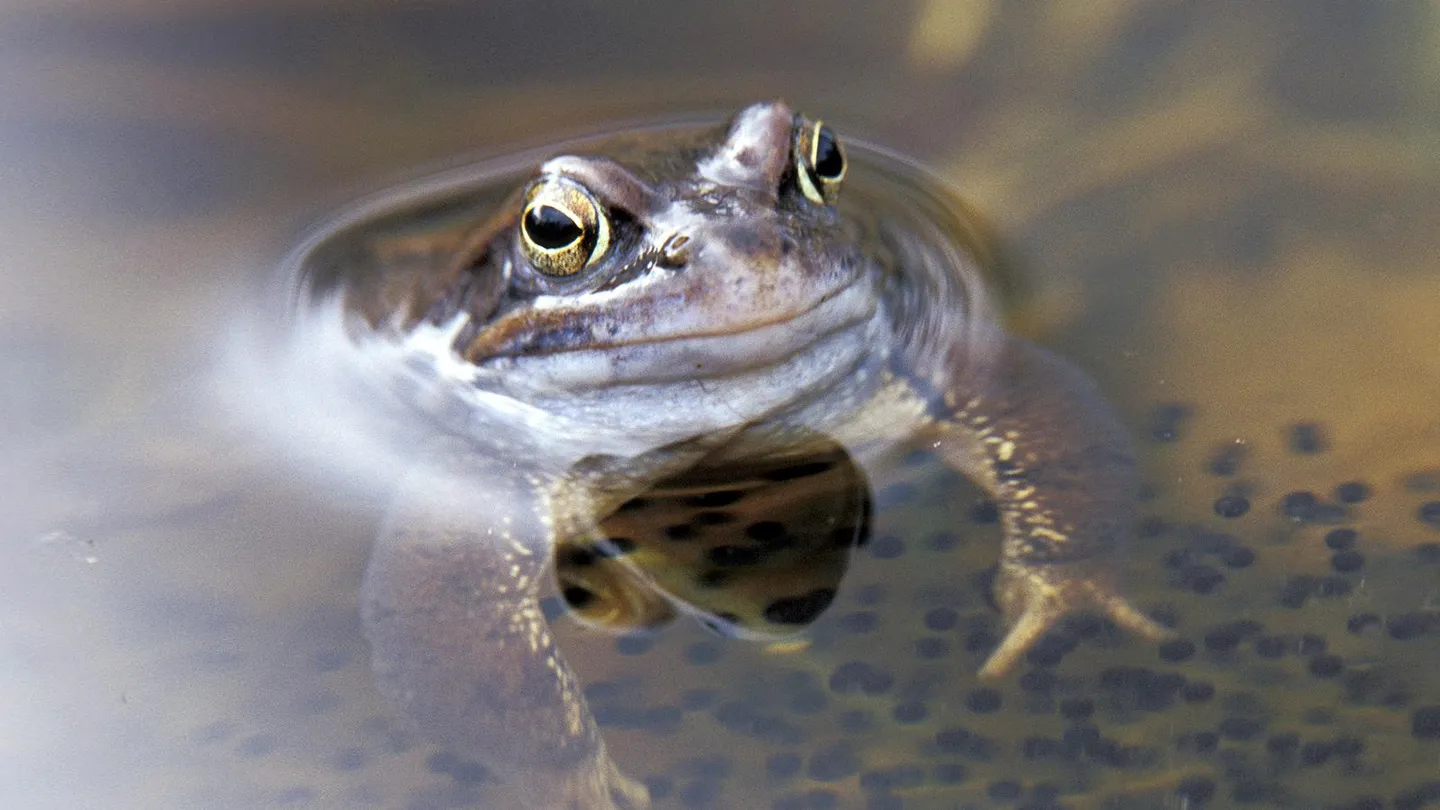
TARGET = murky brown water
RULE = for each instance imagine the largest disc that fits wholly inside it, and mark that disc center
(1225, 212)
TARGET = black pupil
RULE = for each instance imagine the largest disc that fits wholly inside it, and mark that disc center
(551, 228)
(828, 160)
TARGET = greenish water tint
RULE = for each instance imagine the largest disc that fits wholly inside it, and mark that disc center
(1223, 212)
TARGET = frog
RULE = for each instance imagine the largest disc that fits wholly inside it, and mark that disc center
(663, 309)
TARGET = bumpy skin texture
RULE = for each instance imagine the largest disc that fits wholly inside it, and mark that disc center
(733, 315)
(1037, 436)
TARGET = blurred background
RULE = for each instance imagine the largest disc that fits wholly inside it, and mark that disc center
(1224, 211)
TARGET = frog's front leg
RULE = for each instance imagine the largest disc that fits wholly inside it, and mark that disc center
(1035, 433)
(458, 640)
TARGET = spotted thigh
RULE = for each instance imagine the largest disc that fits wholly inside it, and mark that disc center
(757, 550)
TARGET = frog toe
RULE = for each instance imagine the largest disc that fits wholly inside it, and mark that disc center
(1129, 617)
(1035, 600)
(1039, 616)
(626, 793)
(602, 787)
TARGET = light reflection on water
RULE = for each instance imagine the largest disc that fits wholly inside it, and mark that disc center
(1243, 221)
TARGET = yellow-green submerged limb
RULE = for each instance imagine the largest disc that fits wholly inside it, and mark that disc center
(1035, 433)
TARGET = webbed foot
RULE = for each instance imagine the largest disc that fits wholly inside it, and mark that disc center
(1034, 598)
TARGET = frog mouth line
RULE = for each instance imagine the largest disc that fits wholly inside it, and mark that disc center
(576, 337)
(698, 354)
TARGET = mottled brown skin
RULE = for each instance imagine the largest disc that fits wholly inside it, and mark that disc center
(733, 316)
(1063, 476)
(754, 551)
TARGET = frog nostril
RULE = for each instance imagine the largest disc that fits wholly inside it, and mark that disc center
(675, 253)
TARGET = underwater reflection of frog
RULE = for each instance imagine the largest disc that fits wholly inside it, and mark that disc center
(674, 310)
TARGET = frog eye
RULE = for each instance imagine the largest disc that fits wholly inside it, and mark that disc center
(819, 162)
(562, 228)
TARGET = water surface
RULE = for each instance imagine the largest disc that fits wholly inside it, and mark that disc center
(1223, 212)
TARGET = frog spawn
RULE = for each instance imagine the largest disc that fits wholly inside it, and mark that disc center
(1270, 699)
(1293, 682)
(953, 604)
